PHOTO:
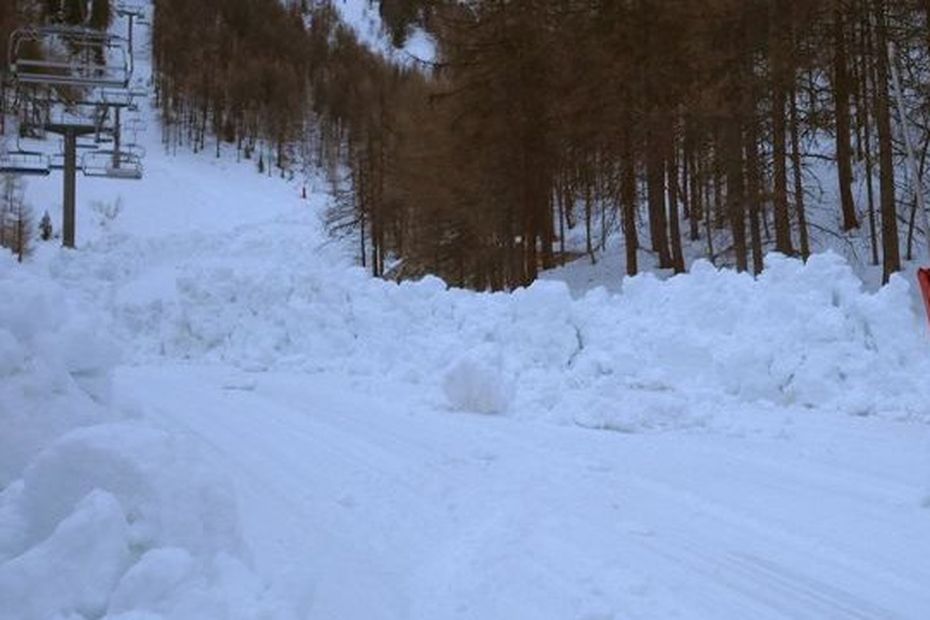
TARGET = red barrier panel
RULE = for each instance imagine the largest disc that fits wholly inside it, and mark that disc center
(923, 277)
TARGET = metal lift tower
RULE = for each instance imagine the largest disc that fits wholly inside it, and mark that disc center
(72, 81)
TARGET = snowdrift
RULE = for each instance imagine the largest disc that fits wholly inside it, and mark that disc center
(100, 514)
(659, 354)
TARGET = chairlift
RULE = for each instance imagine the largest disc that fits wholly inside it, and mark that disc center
(83, 143)
(57, 161)
(82, 65)
(102, 138)
(27, 163)
(126, 9)
(134, 125)
(112, 165)
(134, 148)
(139, 91)
(96, 96)
(114, 97)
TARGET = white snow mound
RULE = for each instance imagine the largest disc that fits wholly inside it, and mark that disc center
(475, 383)
(101, 516)
(660, 354)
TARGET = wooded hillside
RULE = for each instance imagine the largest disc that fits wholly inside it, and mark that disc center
(678, 122)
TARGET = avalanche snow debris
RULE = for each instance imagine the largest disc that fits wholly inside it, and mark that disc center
(101, 515)
(476, 383)
(800, 335)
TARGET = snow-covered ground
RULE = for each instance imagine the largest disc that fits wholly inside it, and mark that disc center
(365, 19)
(209, 412)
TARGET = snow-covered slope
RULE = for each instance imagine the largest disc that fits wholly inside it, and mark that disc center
(214, 414)
(363, 17)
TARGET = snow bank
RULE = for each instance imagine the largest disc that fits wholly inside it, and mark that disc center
(660, 354)
(54, 367)
(799, 335)
(100, 516)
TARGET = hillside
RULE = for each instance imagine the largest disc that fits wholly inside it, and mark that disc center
(212, 412)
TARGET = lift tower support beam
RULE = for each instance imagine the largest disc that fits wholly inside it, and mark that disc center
(70, 134)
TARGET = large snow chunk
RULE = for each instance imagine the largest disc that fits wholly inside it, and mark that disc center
(74, 570)
(478, 383)
(155, 578)
(55, 367)
(151, 475)
(169, 584)
(12, 354)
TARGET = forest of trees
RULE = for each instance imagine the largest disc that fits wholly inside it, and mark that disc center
(16, 225)
(688, 125)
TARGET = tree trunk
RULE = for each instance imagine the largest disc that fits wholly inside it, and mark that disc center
(588, 208)
(691, 201)
(754, 194)
(628, 203)
(868, 76)
(736, 193)
(780, 75)
(678, 260)
(890, 244)
(655, 189)
(841, 90)
(798, 176)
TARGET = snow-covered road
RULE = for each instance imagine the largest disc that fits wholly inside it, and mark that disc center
(365, 506)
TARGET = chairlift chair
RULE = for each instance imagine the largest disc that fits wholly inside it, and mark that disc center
(135, 124)
(81, 66)
(28, 163)
(87, 146)
(56, 161)
(103, 139)
(130, 8)
(134, 148)
(133, 10)
(134, 127)
(112, 165)
(114, 97)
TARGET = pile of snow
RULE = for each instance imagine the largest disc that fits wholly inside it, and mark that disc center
(477, 383)
(659, 354)
(800, 335)
(100, 514)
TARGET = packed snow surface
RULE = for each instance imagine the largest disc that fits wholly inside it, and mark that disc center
(210, 413)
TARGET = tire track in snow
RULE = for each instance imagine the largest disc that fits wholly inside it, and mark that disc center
(453, 516)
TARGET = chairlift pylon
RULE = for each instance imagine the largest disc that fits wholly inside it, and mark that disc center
(79, 76)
